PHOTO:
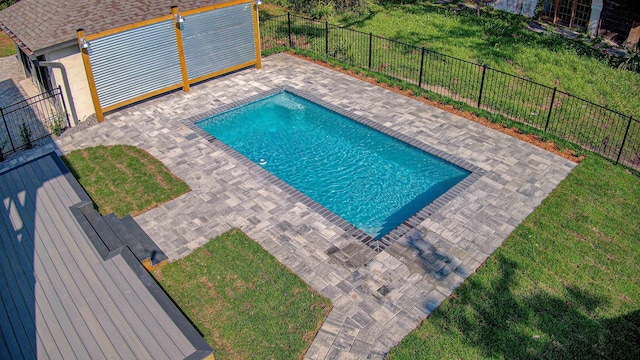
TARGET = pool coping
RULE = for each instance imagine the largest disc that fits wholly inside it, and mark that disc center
(378, 245)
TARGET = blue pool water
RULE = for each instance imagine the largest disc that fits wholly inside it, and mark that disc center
(371, 180)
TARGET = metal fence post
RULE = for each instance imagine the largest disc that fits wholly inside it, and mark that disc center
(553, 98)
(326, 38)
(289, 26)
(421, 68)
(624, 139)
(370, 48)
(13, 148)
(484, 71)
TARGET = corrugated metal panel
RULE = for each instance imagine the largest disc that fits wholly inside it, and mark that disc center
(218, 39)
(135, 62)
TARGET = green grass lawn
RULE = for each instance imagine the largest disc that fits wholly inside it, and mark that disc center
(122, 179)
(247, 305)
(501, 41)
(6, 45)
(564, 285)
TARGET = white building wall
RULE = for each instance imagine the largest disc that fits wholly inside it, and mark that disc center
(71, 58)
(522, 7)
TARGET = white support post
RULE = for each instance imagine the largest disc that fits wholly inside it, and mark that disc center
(594, 20)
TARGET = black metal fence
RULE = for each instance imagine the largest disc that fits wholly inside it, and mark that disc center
(582, 122)
(32, 119)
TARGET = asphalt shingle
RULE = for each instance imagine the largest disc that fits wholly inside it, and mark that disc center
(41, 24)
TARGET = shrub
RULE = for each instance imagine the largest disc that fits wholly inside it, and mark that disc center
(322, 10)
(25, 135)
(342, 50)
(58, 123)
(2, 145)
(324, 7)
(631, 61)
(6, 3)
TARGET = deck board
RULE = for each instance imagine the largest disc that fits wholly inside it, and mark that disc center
(85, 290)
(58, 297)
(50, 334)
(50, 301)
(40, 345)
(53, 267)
(126, 321)
(146, 317)
(48, 254)
(161, 318)
(45, 291)
(13, 304)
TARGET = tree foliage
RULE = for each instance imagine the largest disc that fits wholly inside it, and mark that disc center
(310, 5)
(7, 3)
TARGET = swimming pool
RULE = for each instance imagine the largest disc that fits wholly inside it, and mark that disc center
(368, 178)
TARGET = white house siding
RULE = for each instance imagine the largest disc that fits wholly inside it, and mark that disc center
(522, 7)
(71, 58)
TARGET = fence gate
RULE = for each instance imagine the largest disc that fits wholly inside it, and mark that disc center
(138, 61)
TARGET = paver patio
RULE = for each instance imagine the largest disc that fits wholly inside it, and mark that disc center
(10, 89)
(378, 297)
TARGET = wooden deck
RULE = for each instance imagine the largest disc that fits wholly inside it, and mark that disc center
(59, 298)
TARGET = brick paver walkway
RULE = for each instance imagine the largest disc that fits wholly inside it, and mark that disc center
(378, 298)
(10, 75)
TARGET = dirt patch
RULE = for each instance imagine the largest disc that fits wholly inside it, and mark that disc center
(513, 132)
(204, 281)
(218, 340)
(158, 275)
(626, 298)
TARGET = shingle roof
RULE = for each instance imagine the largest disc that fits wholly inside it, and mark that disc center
(40, 24)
